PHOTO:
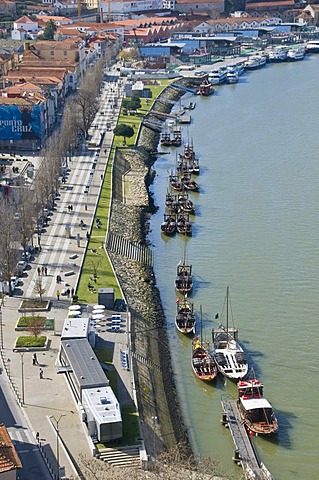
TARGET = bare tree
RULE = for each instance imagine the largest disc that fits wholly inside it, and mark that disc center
(95, 265)
(23, 215)
(38, 287)
(8, 248)
(36, 325)
(87, 103)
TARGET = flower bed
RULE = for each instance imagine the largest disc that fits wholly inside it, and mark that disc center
(31, 342)
(34, 305)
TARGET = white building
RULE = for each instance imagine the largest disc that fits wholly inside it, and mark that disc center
(120, 9)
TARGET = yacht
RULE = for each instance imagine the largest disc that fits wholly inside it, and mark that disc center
(217, 76)
(296, 54)
(255, 61)
(278, 54)
(312, 46)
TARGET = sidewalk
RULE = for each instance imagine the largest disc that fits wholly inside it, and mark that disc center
(62, 256)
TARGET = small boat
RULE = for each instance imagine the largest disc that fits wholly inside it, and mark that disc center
(190, 106)
(176, 183)
(183, 225)
(171, 203)
(189, 184)
(255, 411)
(184, 278)
(166, 139)
(189, 153)
(185, 320)
(185, 204)
(229, 356)
(193, 167)
(278, 54)
(176, 141)
(168, 227)
(206, 88)
(203, 364)
(295, 54)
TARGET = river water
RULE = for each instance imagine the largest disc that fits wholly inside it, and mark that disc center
(256, 230)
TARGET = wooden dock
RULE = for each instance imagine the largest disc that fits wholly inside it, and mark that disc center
(245, 455)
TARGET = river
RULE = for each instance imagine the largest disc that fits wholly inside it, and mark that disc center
(256, 230)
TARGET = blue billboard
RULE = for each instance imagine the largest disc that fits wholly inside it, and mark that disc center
(21, 122)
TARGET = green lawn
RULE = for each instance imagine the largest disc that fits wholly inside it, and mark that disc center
(97, 259)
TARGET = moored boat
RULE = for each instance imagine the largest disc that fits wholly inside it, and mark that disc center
(185, 204)
(229, 356)
(206, 88)
(166, 139)
(185, 320)
(168, 226)
(295, 54)
(176, 183)
(217, 76)
(312, 46)
(255, 61)
(171, 203)
(232, 77)
(255, 411)
(278, 54)
(184, 278)
(189, 183)
(183, 225)
(203, 364)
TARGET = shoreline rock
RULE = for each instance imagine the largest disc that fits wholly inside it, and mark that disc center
(160, 415)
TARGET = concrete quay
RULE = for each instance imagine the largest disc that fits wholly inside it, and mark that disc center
(50, 396)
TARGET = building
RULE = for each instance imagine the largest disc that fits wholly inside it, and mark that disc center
(9, 460)
(120, 9)
(7, 7)
(214, 8)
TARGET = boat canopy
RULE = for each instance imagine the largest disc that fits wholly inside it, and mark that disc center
(253, 403)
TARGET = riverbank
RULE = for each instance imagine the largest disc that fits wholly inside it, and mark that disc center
(161, 421)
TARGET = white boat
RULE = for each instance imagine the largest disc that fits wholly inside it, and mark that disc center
(232, 77)
(295, 54)
(312, 46)
(256, 412)
(255, 61)
(217, 76)
(278, 54)
(229, 356)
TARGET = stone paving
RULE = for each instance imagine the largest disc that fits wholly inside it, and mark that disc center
(62, 256)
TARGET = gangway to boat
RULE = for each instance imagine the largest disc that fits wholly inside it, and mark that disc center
(184, 89)
(245, 454)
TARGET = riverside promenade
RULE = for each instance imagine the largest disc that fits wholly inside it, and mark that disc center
(61, 254)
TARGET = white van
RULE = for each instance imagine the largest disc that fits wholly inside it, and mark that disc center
(186, 68)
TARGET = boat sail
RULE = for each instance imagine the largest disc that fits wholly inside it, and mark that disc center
(203, 364)
(229, 356)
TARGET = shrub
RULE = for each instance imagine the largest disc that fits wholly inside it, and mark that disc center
(31, 341)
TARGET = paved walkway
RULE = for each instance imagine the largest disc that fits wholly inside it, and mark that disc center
(61, 255)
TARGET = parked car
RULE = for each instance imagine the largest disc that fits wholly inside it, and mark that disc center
(20, 268)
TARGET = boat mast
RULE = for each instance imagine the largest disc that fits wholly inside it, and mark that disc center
(201, 325)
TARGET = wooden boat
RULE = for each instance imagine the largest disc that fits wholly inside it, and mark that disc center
(176, 140)
(254, 409)
(175, 182)
(185, 319)
(189, 183)
(185, 204)
(166, 139)
(168, 227)
(193, 167)
(171, 203)
(203, 364)
(206, 88)
(183, 225)
(189, 153)
(229, 356)
(184, 278)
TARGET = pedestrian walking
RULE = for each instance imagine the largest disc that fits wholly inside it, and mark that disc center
(39, 271)
(68, 293)
(35, 359)
(58, 293)
(72, 292)
(37, 437)
(41, 373)
(102, 176)
(85, 207)
(71, 208)
(42, 270)
(46, 271)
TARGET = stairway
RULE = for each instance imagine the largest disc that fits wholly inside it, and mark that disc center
(122, 456)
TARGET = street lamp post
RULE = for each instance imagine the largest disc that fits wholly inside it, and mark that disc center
(22, 374)
(57, 441)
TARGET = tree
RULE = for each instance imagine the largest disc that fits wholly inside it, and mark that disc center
(8, 246)
(38, 287)
(36, 325)
(49, 30)
(123, 130)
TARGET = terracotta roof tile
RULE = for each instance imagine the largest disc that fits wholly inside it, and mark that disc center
(9, 459)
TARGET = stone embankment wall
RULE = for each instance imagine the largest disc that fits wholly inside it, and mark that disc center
(161, 420)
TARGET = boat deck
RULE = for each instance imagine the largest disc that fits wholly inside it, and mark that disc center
(245, 454)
